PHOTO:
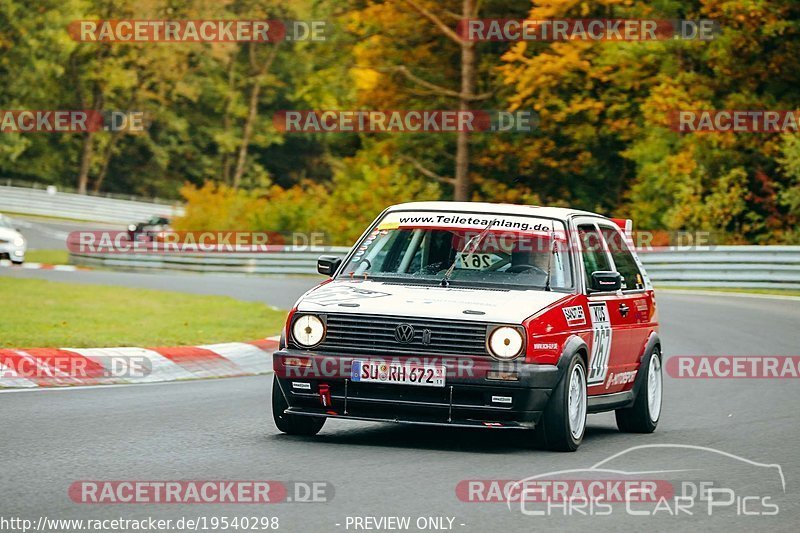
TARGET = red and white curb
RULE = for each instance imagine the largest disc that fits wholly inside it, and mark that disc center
(41, 266)
(45, 367)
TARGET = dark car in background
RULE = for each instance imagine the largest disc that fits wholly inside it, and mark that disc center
(146, 231)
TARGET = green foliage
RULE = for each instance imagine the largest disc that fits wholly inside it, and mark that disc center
(363, 186)
(604, 110)
(789, 196)
(79, 315)
(341, 210)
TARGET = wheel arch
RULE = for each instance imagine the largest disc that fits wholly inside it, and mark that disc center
(574, 345)
(653, 342)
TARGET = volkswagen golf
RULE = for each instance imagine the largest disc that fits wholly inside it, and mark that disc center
(476, 315)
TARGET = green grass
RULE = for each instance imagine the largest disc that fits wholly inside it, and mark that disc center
(40, 313)
(50, 257)
(778, 292)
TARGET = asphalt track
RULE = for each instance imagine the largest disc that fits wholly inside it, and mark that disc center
(43, 233)
(277, 291)
(222, 430)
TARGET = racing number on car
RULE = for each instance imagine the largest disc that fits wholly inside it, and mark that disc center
(601, 343)
(477, 261)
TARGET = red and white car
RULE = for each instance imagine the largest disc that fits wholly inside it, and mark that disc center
(476, 315)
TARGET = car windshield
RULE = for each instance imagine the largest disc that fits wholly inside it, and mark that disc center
(482, 250)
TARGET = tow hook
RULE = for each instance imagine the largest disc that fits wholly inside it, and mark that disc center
(325, 394)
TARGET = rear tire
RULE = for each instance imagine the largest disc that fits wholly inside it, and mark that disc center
(563, 422)
(292, 424)
(643, 415)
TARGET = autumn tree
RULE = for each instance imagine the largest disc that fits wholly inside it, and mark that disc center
(604, 139)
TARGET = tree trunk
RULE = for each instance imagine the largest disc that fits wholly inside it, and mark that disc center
(227, 158)
(252, 113)
(86, 159)
(106, 160)
(248, 131)
(462, 178)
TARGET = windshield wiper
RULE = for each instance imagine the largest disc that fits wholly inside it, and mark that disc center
(474, 242)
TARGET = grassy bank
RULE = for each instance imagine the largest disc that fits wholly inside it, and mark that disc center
(49, 257)
(39, 313)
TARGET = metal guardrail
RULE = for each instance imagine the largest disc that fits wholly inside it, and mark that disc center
(50, 202)
(292, 260)
(721, 266)
(27, 184)
(749, 267)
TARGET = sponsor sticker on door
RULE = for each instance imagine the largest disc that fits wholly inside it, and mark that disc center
(575, 316)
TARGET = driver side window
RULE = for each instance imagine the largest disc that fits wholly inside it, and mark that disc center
(623, 259)
(593, 251)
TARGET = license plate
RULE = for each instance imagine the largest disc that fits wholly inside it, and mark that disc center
(399, 373)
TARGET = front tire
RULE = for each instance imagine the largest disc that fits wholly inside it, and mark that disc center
(563, 422)
(643, 415)
(292, 424)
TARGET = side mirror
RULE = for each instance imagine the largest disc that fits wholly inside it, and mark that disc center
(327, 264)
(606, 281)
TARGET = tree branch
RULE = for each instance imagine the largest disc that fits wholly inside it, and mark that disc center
(436, 89)
(433, 88)
(444, 28)
(427, 172)
(453, 15)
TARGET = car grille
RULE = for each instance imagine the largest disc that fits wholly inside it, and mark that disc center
(375, 335)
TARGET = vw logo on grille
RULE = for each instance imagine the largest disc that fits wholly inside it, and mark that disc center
(404, 333)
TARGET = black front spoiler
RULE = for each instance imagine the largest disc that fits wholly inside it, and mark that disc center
(409, 420)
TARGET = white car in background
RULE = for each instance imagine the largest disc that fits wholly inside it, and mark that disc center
(12, 243)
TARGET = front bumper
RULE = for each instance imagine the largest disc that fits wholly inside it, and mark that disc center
(468, 399)
(12, 252)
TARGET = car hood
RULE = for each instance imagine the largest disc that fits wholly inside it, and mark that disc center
(9, 234)
(377, 298)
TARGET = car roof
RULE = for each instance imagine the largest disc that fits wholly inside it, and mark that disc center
(558, 213)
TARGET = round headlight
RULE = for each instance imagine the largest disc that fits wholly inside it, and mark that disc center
(308, 330)
(131, 227)
(18, 240)
(505, 342)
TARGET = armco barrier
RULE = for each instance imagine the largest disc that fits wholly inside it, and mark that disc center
(80, 207)
(725, 266)
(721, 266)
(299, 260)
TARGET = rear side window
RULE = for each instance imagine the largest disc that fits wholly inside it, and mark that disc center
(623, 259)
(593, 250)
